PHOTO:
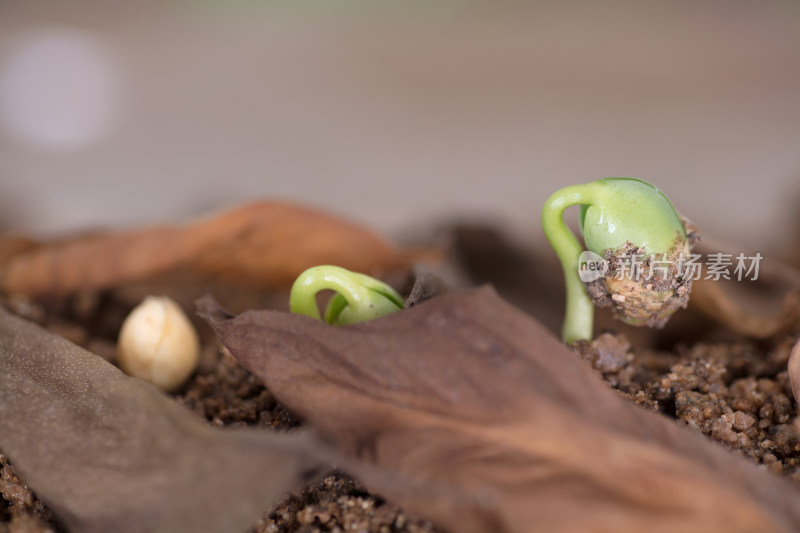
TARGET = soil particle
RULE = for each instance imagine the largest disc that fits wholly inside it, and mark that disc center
(612, 357)
(742, 421)
(699, 410)
(612, 353)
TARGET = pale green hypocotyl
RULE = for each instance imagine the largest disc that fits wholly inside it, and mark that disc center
(614, 211)
(358, 297)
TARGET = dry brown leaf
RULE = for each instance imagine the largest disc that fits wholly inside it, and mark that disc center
(735, 314)
(261, 245)
(466, 395)
(11, 245)
(767, 307)
(108, 453)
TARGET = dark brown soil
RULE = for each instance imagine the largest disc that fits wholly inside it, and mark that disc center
(23, 511)
(736, 393)
(338, 504)
(225, 394)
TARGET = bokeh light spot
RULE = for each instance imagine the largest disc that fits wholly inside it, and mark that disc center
(59, 89)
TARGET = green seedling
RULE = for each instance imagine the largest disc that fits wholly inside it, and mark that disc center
(358, 297)
(619, 216)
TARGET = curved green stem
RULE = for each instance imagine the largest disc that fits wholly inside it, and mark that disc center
(579, 318)
(359, 297)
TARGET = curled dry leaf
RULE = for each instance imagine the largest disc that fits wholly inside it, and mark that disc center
(468, 395)
(110, 453)
(735, 313)
(261, 245)
(760, 309)
(11, 245)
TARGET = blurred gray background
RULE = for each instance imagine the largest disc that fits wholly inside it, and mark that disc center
(397, 114)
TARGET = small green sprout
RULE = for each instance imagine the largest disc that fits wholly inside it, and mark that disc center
(620, 218)
(358, 297)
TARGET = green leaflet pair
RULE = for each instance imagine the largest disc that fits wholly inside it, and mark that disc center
(358, 297)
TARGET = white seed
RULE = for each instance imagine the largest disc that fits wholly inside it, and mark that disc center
(158, 343)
